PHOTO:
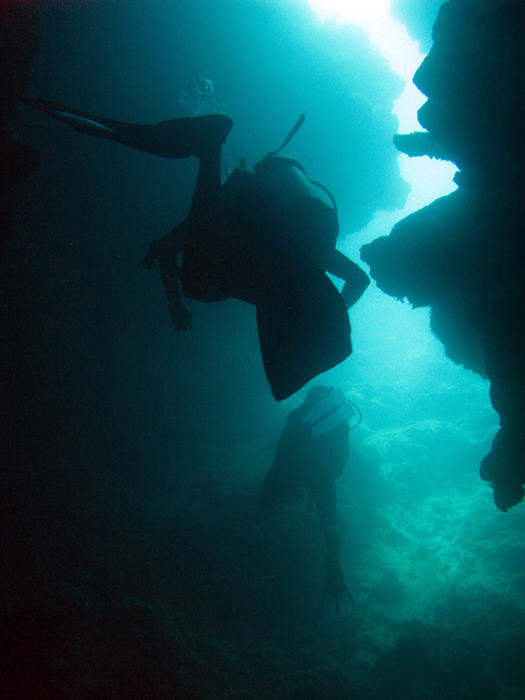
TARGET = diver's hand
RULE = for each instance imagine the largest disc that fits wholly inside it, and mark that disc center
(156, 248)
(148, 261)
(181, 318)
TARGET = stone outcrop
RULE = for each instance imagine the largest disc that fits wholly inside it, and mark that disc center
(463, 255)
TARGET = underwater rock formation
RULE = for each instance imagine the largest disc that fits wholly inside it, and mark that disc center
(19, 39)
(463, 254)
(418, 18)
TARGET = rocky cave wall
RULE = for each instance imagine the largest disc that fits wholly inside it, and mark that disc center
(463, 254)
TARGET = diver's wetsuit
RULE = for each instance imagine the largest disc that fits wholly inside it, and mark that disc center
(233, 246)
(240, 250)
(303, 460)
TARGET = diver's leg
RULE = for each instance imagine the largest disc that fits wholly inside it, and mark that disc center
(323, 494)
(208, 184)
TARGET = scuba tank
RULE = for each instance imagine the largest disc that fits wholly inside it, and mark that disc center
(330, 412)
(303, 212)
(303, 207)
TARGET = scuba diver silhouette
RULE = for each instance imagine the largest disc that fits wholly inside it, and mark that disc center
(311, 453)
(264, 237)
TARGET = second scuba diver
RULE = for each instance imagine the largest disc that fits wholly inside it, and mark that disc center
(311, 454)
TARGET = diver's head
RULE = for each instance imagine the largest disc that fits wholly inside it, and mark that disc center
(317, 393)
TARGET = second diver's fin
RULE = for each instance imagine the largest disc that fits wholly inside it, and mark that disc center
(303, 330)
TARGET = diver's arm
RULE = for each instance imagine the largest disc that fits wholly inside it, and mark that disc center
(170, 272)
(171, 244)
(356, 280)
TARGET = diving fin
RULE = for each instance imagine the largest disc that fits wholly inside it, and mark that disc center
(81, 121)
(173, 138)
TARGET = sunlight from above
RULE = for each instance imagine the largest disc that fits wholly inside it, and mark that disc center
(390, 37)
(386, 33)
(392, 40)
